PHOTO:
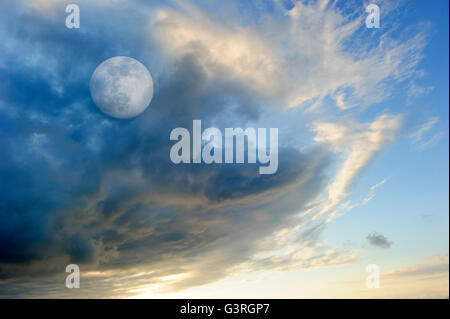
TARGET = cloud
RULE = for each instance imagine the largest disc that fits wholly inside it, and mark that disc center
(438, 266)
(378, 240)
(357, 143)
(415, 90)
(82, 187)
(104, 194)
(306, 255)
(427, 277)
(372, 189)
(419, 136)
(384, 181)
(295, 59)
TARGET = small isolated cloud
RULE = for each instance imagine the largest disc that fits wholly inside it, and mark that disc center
(378, 240)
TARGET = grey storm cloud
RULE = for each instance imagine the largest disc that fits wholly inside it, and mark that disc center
(378, 240)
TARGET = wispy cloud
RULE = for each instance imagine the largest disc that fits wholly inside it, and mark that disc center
(356, 143)
(437, 266)
(419, 137)
(296, 59)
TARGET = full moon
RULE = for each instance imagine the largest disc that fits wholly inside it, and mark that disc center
(121, 87)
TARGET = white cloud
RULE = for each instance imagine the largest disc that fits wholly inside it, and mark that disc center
(419, 138)
(437, 267)
(415, 90)
(428, 125)
(292, 60)
(308, 254)
(357, 144)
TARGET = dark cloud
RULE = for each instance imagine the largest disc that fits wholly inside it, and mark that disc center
(80, 248)
(378, 240)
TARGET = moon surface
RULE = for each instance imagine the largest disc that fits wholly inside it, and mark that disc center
(121, 87)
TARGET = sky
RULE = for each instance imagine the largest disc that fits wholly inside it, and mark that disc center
(362, 116)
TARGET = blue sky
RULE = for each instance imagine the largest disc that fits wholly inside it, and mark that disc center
(363, 128)
(413, 205)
